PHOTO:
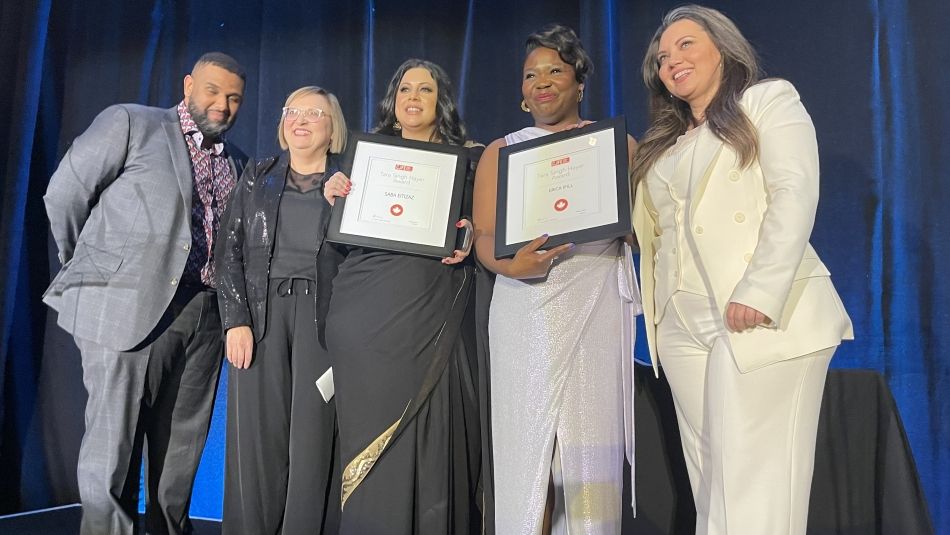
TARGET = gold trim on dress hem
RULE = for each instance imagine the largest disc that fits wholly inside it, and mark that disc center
(359, 467)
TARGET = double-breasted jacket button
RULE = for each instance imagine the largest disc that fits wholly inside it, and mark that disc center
(734, 175)
(739, 217)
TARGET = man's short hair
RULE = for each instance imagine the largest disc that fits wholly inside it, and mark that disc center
(220, 59)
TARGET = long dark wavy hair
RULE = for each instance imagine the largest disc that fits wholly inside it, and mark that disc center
(670, 117)
(449, 126)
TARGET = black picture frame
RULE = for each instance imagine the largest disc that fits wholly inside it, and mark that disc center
(623, 224)
(368, 142)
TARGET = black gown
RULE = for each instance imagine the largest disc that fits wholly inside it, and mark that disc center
(400, 332)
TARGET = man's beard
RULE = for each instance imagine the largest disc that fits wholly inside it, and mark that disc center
(208, 128)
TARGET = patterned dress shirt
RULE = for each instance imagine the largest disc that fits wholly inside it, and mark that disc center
(211, 188)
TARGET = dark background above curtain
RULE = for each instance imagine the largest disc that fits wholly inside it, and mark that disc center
(871, 73)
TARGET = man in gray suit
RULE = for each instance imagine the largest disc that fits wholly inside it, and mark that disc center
(134, 207)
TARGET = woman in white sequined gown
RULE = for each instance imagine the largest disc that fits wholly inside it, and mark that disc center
(560, 337)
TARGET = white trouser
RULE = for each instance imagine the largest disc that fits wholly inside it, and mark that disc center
(748, 438)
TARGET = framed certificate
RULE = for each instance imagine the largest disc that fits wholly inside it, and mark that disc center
(406, 195)
(571, 185)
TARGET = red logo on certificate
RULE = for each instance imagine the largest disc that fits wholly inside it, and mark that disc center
(561, 161)
(560, 205)
(403, 167)
(396, 210)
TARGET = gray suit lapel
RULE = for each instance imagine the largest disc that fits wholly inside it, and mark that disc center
(181, 159)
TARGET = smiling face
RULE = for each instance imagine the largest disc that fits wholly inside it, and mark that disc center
(689, 64)
(550, 89)
(304, 136)
(416, 100)
(213, 96)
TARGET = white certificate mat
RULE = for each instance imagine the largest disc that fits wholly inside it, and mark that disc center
(572, 186)
(405, 196)
(559, 189)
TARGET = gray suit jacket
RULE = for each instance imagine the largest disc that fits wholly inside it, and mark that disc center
(119, 206)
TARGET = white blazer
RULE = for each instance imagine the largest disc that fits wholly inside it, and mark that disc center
(749, 228)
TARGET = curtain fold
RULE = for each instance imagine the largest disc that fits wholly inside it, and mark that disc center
(21, 63)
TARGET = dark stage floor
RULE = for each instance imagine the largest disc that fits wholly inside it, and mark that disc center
(65, 521)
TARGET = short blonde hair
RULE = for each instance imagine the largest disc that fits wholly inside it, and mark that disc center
(335, 113)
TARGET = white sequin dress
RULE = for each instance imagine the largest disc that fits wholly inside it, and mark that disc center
(561, 388)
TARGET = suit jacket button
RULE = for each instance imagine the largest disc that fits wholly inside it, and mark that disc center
(747, 257)
(187, 247)
(699, 229)
(739, 217)
(734, 175)
(174, 282)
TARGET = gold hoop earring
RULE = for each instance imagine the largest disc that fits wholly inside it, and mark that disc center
(397, 126)
(580, 95)
(524, 107)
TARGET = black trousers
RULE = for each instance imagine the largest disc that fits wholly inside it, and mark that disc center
(283, 472)
(160, 394)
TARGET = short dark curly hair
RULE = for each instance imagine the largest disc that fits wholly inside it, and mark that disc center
(568, 46)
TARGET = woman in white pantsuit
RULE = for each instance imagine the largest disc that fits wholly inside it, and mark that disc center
(739, 309)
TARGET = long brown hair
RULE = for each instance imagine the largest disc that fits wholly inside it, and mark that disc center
(670, 117)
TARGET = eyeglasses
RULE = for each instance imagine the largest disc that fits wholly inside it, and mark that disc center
(309, 115)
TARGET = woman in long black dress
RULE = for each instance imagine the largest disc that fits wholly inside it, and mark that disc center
(402, 349)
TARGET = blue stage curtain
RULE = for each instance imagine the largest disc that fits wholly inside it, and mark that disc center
(871, 73)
